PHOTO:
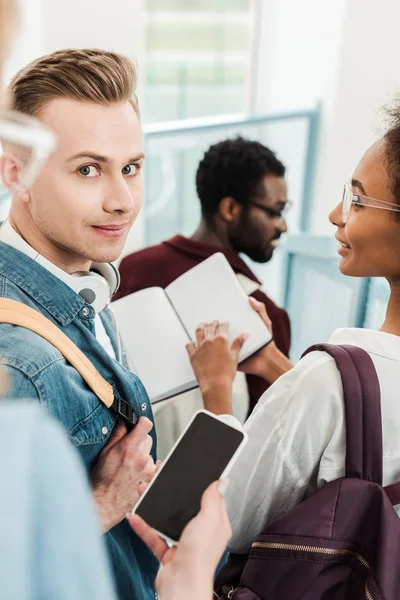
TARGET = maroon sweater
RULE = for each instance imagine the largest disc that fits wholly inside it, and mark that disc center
(160, 265)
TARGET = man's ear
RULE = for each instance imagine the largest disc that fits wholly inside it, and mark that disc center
(229, 210)
(10, 174)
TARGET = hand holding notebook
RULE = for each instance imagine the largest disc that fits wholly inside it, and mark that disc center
(156, 324)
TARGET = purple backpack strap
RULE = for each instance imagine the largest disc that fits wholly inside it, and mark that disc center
(361, 393)
(393, 491)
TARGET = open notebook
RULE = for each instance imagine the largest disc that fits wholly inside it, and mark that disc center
(156, 324)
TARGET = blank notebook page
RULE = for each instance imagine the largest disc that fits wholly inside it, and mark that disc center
(210, 291)
(155, 341)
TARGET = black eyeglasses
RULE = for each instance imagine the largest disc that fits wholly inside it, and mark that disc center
(280, 215)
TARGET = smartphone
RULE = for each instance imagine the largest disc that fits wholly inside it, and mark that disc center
(205, 452)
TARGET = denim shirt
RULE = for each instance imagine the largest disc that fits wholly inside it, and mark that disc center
(38, 371)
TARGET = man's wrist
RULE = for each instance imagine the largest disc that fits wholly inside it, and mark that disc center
(277, 364)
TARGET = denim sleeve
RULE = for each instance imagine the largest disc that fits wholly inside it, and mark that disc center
(70, 562)
(19, 384)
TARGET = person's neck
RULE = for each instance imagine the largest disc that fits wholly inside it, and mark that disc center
(26, 228)
(210, 233)
(392, 319)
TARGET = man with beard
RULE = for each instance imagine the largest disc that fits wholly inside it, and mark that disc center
(243, 197)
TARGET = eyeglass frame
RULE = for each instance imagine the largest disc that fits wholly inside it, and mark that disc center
(271, 212)
(28, 131)
(368, 201)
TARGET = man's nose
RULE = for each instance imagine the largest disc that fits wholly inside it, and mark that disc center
(119, 197)
(281, 226)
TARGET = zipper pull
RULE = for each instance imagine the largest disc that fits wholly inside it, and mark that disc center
(227, 593)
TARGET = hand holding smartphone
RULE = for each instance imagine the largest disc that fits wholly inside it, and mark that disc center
(205, 452)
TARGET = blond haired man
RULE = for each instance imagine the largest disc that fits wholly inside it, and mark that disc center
(76, 216)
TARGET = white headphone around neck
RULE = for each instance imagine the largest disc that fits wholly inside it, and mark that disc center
(96, 286)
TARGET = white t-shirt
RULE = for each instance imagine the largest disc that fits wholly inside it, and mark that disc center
(102, 336)
(297, 435)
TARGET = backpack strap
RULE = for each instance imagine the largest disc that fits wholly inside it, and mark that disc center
(17, 313)
(361, 392)
(393, 492)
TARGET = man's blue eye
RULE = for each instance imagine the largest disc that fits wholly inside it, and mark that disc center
(131, 169)
(88, 171)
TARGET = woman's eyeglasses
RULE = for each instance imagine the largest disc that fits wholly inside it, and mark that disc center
(350, 198)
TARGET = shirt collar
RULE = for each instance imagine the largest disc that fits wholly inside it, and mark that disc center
(374, 342)
(52, 294)
(9, 236)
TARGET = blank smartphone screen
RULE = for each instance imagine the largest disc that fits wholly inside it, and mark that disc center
(199, 459)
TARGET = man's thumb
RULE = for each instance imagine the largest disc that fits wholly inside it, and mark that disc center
(118, 433)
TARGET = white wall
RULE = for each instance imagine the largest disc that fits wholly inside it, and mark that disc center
(299, 44)
(28, 39)
(368, 78)
(342, 52)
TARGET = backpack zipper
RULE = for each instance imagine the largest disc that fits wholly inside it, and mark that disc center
(232, 590)
(319, 550)
(368, 593)
(316, 549)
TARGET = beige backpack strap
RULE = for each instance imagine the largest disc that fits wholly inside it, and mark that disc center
(16, 313)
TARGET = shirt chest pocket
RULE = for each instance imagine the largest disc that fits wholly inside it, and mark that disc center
(95, 428)
(92, 433)
(84, 417)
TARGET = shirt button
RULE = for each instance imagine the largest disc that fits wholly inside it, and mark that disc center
(144, 406)
(85, 311)
(104, 431)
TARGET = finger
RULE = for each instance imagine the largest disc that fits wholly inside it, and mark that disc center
(223, 329)
(238, 343)
(259, 307)
(140, 432)
(256, 304)
(149, 469)
(149, 536)
(191, 349)
(144, 425)
(212, 497)
(210, 329)
(213, 504)
(142, 487)
(145, 445)
(118, 433)
(200, 333)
